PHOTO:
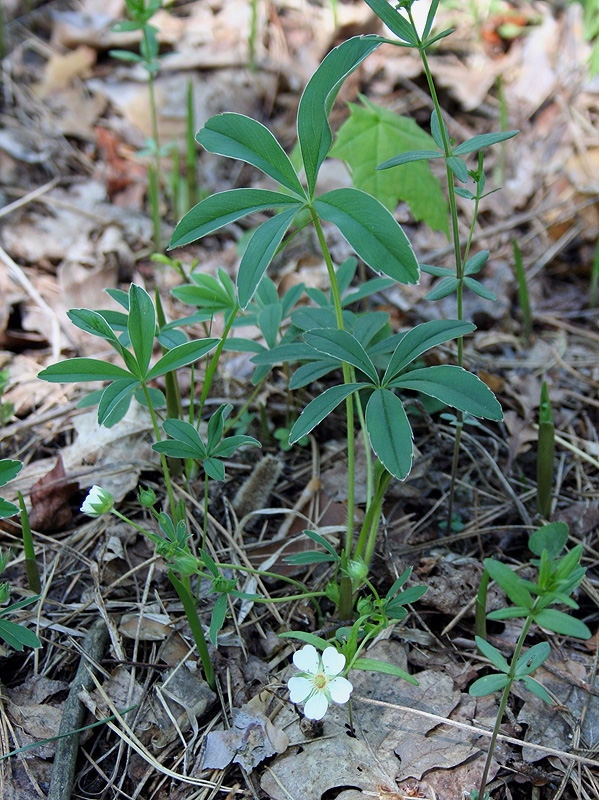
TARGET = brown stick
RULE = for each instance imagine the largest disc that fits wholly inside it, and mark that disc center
(67, 748)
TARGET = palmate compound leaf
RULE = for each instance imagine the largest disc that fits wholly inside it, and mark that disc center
(313, 130)
(371, 136)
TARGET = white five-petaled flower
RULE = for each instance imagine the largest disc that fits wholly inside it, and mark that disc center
(319, 681)
(98, 501)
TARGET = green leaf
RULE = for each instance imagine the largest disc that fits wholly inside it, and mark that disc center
(372, 135)
(437, 271)
(454, 386)
(308, 373)
(343, 346)
(244, 138)
(9, 469)
(80, 370)
(219, 613)
(183, 433)
(477, 287)
(394, 21)
(115, 393)
(430, 19)
(488, 685)
(421, 338)
(125, 55)
(558, 622)
(308, 638)
(493, 654)
(269, 322)
(551, 537)
(207, 293)
(309, 557)
(313, 130)
(220, 209)
(484, 140)
(442, 289)
(532, 659)
(17, 636)
(436, 130)
(260, 252)
(216, 425)
(509, 582)
(535, 687)
(372, 231)
(508, 613)
(374, 665)
(214, 468)
(7, 509)
(409, 596)
(321, 407)
(229, 445)
(399, 583)
(410, 157)
(459, 169)
(476, 263)
(316, 537)
(181, 356)
(389, 432)
(92, 322)
(141, 326)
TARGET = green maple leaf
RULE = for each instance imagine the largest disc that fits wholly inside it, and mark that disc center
(373, 134)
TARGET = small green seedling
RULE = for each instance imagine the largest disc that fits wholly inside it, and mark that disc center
(557, 580)
(545, 454)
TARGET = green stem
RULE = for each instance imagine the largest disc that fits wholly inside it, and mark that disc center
(502, 705)
(33, 575)
(205, 533)
(163, 461)
(349, 404)
(214, 361)
(480, 624)
(371, 520)
(191, 151)
(196, 627)
(244, 407)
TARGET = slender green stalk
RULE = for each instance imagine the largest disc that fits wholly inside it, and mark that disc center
(163, 461)
(205, 531)
(245, 406)
(378, 503)
(523, 295)
(154, 192)
(174, 409)
(33, 575)
(191, 150)
(480, 613)
(214, 361)
(252, 34)
(545, 454)
(349, 404)
(196, 627)
(499, 175)
(502, 705)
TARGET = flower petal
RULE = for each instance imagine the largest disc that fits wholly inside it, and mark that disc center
(340, 690)
(299, 689)
(333, 661)
(307, 659)
(317, 705)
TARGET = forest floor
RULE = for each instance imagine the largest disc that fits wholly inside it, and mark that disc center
(75, 221)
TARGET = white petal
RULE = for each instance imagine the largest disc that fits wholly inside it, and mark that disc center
(340, 690)
(306, 659)
(316, 707)
(299, 689)
(333, 661)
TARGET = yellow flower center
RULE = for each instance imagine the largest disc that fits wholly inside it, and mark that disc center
(320, 681)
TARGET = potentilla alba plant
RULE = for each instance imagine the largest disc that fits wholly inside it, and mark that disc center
(98, 501)
(319, 680)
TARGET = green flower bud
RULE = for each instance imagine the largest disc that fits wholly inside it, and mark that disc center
(186, 564)
(147, 497)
